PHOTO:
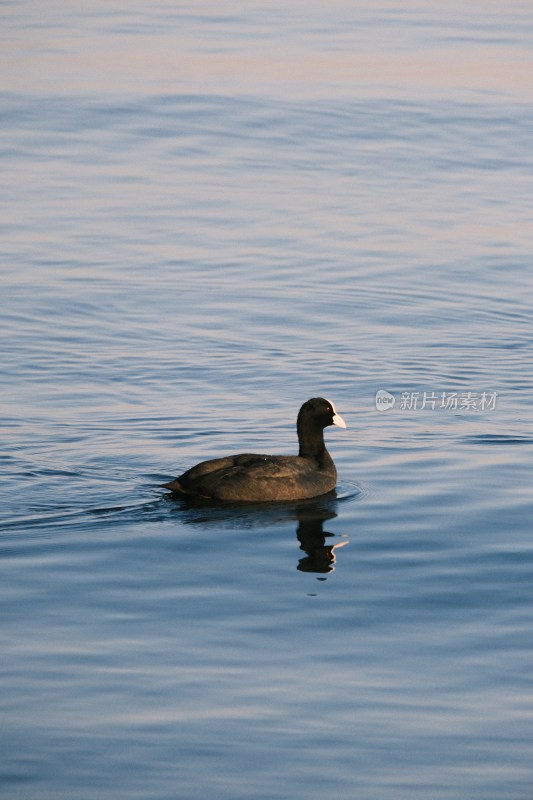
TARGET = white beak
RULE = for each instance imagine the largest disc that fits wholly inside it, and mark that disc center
(338, 420)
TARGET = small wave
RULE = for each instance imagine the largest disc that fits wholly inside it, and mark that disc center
(497, 438)
(349, 490)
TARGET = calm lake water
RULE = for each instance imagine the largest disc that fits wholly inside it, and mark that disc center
(212, 212)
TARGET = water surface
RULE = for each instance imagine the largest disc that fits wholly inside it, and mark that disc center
(210, 215)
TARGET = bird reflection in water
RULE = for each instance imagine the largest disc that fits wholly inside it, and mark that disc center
(310, 516)
(320, 556)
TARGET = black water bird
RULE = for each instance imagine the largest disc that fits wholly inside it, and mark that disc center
(253, 478)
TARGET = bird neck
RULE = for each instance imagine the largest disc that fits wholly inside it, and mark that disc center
(311, 440)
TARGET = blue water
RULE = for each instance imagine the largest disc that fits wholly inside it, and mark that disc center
(210, 215)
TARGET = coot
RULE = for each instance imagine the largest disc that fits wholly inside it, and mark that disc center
(249, 477)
